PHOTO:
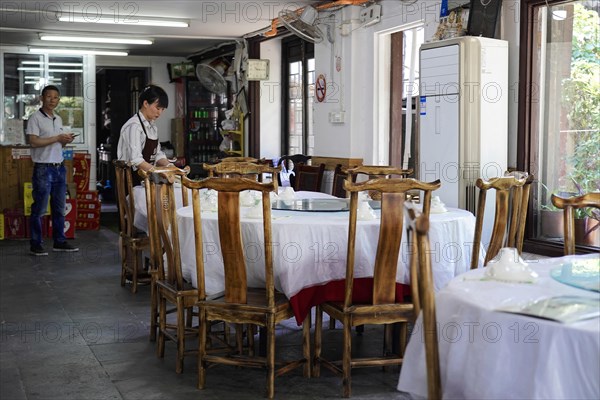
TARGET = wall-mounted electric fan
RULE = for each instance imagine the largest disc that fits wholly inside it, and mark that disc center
(212, 75)
(304, 24)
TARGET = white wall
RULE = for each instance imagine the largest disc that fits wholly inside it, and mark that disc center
(159, 75)
(354, 85)
(270, 101)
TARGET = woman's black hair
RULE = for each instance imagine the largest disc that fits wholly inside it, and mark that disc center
(151, 93)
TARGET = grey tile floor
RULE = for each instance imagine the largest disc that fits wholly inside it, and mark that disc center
(68, 330)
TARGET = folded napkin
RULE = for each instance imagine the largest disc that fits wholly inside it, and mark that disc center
(509, 266)
(437, 206)
(255, 212)
(287, 193)
(365, 212)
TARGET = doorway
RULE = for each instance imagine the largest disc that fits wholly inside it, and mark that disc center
(117, 92)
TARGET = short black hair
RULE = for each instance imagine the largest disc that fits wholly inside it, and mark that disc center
(50, 87)
(151, 93)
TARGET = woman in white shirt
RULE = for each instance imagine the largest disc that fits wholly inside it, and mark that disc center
(138, 143)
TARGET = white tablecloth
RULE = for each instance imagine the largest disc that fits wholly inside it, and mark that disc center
(140, 218)
(310, 248)
(487, 354)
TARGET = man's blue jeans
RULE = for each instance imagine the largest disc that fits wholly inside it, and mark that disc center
(48, 180)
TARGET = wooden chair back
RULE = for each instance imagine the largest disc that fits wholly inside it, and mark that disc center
(291, 162)
(377, 171)
(393, 193)
(237, 159)
(569, 205)
(248, 170)
(125, 197)
(230, 234)
(308, 177)
(152, 191)
(420, 264)
(162, 224)
(512, 198)
(339, 176)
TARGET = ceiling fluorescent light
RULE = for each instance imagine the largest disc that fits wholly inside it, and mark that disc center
(94, 39)
(78, 52)
(123, 21)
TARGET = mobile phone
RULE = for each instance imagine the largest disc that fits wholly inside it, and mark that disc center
(75, 134)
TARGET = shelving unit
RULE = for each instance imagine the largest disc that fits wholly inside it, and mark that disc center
(237, 135)
(203, 114)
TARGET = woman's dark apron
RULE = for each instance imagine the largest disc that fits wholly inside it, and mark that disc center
(148, 152)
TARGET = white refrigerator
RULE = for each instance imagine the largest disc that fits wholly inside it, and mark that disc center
(463, 132)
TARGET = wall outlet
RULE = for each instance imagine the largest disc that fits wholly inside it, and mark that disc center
(337, 117)
(370, 15)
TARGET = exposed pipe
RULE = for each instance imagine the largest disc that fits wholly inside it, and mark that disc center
(324, 6)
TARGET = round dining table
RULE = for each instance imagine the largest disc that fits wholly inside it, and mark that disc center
(309, 251)
(486, 352)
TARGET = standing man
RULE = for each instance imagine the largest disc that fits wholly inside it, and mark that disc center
(47, 139)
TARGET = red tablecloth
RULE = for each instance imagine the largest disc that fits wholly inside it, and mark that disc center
(334, 291)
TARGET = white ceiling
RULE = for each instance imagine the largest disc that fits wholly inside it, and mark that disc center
(211, 22)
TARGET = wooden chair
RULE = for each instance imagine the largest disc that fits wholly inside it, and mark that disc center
(420, 266)
(308, 177)
(291, 162)
(375, 171)
(339, 176)
(237, 159)
(242, 169)
(132, 242)
(384, 308)
(512, 198)
(170, 285)
(156, 250)
(569, 205)
(240, 304)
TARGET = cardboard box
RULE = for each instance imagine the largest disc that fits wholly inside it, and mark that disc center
(82, 163)
(1, 226)
(28, 199)
(88, 205)
(88, 225)
(16, 168)
(88, 195)
(15, 224)
(70, 219)
(86, 215)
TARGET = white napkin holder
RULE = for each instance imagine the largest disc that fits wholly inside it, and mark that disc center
(437, 206)
(510, 267)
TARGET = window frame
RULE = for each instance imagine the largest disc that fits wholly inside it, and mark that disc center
(528, 140)
(294, 49)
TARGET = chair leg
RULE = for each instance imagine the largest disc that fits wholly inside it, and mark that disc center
(137, 256)
(346, 358)
(203, 324)
(306, 346)
(162, 317)
(316, 369)
(270, 328)
(123, 252)
(239, 338)
(250, 334)
(180, 335)
(153, 308)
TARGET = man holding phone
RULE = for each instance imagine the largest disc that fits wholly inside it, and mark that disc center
(46, 137)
